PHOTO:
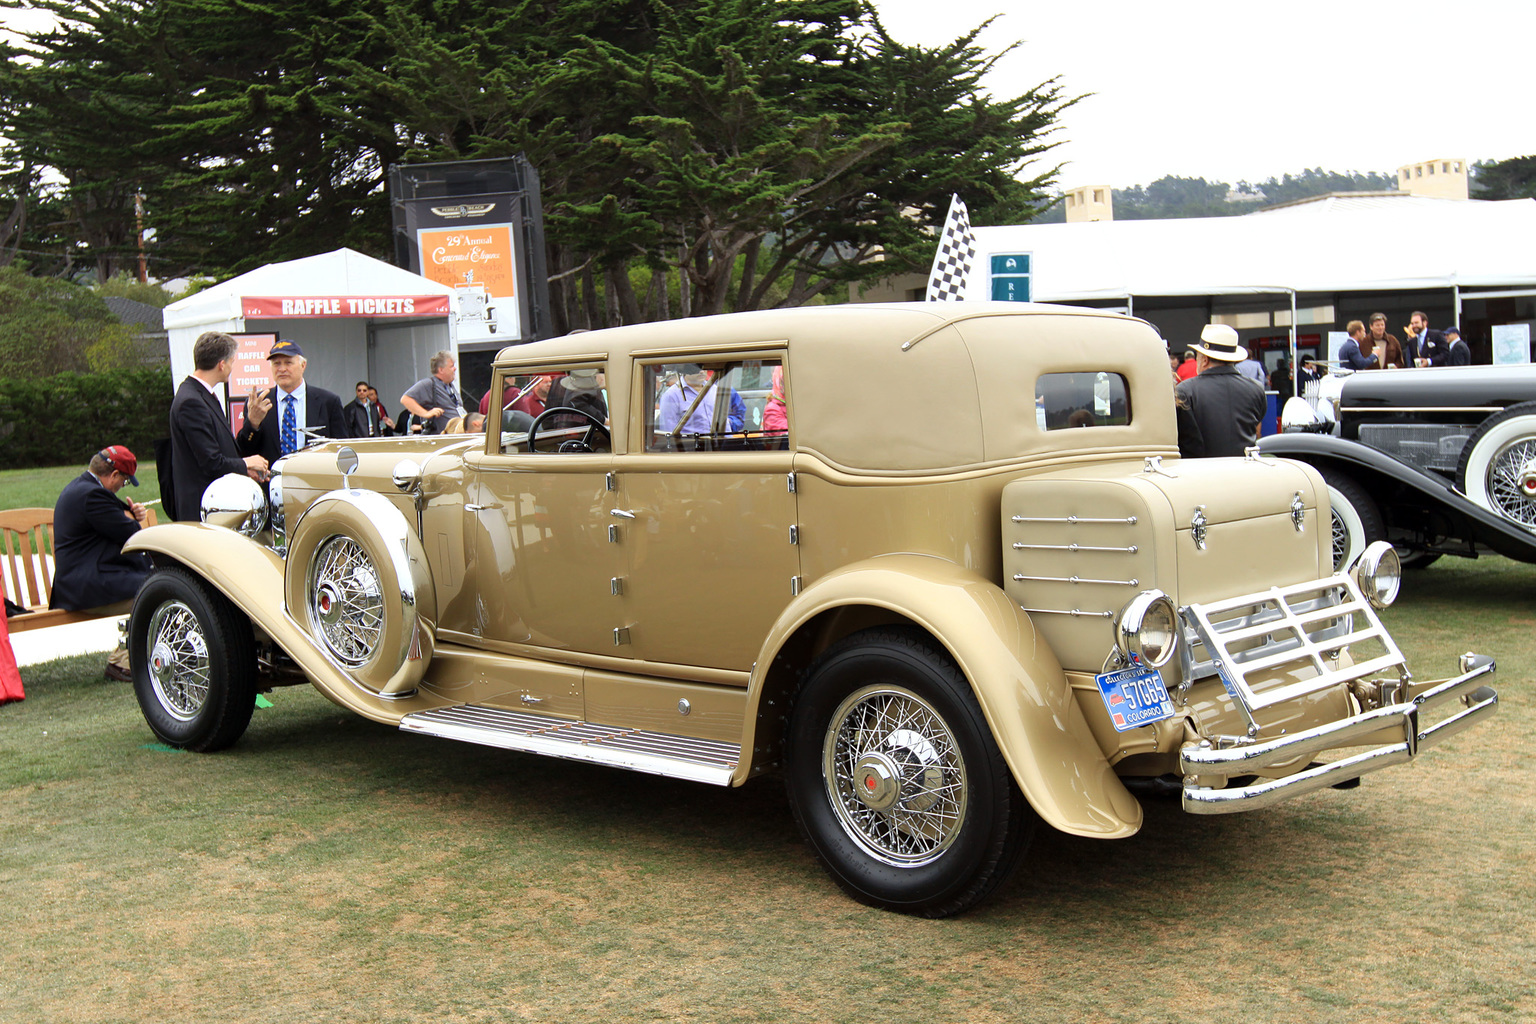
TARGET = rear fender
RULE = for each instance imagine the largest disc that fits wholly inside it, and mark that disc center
(1017, 680)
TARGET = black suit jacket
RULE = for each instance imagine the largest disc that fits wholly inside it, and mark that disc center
(362, 421)
(322, 410)
(90, 524)
(202, 447)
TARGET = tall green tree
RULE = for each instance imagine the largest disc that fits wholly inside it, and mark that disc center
(734, 154)
(1514, 178)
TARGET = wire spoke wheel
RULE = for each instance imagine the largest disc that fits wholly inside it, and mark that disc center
(193, 656)
(1511, 490)
(178, 660)
(346, 600)
(894, 776)
(1497, 469)
(896, 780)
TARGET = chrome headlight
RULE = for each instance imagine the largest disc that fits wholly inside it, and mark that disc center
(1379, 574)
(1147, 629)
(236, 502)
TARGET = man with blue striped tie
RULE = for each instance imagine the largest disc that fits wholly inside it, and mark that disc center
(299, 405)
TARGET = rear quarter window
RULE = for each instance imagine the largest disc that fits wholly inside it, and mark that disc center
(1088, 398)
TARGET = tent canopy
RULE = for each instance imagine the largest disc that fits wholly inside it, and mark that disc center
(360, 285)
(1331, 245)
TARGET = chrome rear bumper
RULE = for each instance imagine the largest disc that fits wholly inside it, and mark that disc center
(1478, 701)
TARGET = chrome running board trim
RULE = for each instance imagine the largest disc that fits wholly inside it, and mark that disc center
(656, 753)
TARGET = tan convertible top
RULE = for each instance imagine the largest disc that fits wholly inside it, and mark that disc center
(909, 387)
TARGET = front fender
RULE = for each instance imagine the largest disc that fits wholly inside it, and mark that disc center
(1015, 675)
(251, 576)
(1475, 523)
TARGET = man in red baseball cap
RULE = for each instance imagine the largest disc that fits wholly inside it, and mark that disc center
(90, 524)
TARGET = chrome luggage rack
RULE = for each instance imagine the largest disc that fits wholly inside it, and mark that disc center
(1298, 631)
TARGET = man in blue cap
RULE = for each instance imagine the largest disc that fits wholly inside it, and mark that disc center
(90, 524)
(299, 405)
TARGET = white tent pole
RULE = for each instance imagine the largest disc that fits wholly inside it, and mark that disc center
(1294, 389)
(1456, 305)
(1130, 304)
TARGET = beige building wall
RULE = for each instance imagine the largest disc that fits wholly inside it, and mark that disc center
(1089, 203)
(1445, 178)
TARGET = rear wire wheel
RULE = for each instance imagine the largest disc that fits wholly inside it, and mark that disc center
(896, 781)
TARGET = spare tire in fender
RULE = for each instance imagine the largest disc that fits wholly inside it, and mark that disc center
(358, 583)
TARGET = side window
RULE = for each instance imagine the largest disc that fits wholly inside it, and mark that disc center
(716, 406)
(1081, 399)
(555, 409)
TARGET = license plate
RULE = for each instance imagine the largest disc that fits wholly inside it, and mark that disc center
(1135, 697)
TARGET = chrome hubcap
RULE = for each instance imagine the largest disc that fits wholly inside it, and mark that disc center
(346, 600)
(894, 776)
(178, 661)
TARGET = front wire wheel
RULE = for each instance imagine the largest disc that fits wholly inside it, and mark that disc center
(896, 781)
(194, 662)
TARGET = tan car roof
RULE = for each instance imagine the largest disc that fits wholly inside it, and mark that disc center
(910, 387)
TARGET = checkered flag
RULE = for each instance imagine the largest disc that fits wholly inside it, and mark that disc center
(952, 263)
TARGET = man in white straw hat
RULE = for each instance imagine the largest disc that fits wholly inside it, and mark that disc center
(1227, 406)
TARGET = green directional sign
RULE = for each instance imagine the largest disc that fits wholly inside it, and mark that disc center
(1011, 277)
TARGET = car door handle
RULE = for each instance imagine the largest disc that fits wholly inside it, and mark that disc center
(621, 513)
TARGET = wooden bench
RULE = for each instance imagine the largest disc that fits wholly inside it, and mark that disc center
(26, 548)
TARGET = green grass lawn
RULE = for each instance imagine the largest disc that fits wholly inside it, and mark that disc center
(39, 488)
(331, 869)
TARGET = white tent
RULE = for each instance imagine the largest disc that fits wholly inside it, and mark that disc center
(1335, 245)
(356, 318)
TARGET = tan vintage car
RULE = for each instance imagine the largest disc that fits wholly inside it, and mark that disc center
(939, 565)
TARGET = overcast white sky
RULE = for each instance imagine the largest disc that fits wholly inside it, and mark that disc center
(1239, 90)
(1231, 90)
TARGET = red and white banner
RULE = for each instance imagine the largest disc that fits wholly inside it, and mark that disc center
(268, 306)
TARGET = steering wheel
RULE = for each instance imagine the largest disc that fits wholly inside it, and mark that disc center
(573, 445)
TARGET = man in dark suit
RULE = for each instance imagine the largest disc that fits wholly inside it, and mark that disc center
(1425, 346)
(202, 446)
(362, 414)
(90, 524)
(296, 404)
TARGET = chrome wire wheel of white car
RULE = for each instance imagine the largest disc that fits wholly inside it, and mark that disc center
(1354, 518)
(346, 600)
(896, 780)
(894, 776)
(193, 659)
(1497, 469)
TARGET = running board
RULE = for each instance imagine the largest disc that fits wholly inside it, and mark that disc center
(656, 753)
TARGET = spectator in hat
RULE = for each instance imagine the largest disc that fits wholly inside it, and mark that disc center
(90, 524)
(299, 405)
(1458, 353)
(1227, 406)
(583, 390)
